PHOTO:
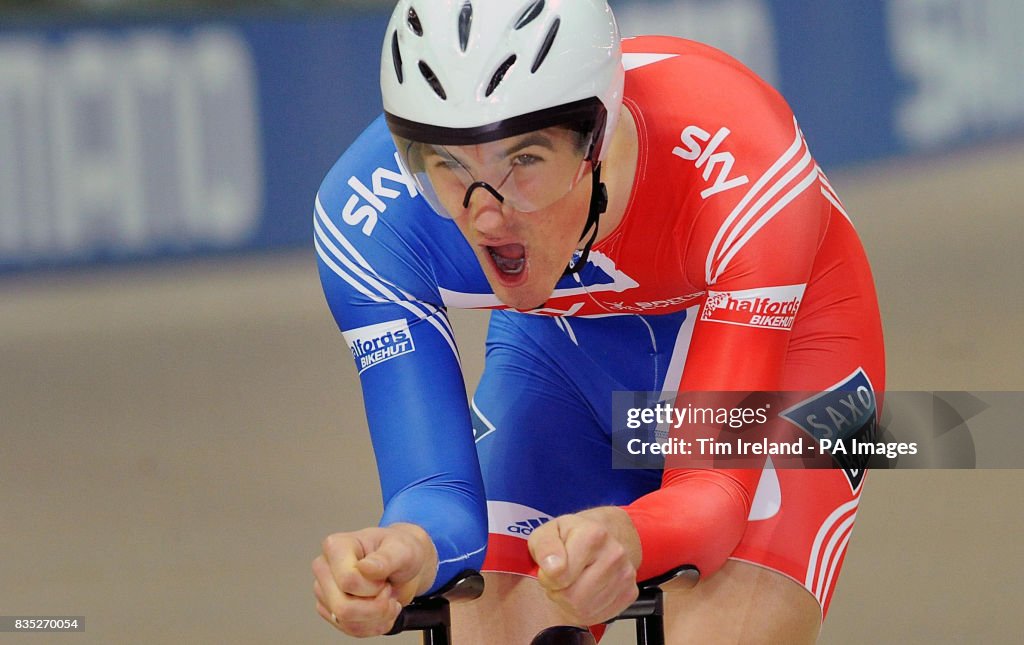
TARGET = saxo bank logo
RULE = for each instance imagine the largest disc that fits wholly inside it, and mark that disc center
(845, 411)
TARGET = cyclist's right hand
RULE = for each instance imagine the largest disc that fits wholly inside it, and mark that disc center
(363, 578)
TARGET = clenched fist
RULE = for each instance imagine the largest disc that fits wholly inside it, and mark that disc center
(363, 578)
(587, 562)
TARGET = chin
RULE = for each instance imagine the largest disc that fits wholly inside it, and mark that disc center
(521, 298)
(524, 297)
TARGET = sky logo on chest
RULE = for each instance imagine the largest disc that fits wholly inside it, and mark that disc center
(845, 411)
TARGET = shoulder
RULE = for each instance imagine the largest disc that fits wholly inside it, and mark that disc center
(367, 181)
(671, 60)
(371, 224)
(737, 151)
(677, 83)
(368, 219)
(708, 118)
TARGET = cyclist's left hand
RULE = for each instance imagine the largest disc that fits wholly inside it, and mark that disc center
(588, 562)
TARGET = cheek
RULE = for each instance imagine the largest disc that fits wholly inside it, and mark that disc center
(558, 237)
(571, 221)
(451, 197)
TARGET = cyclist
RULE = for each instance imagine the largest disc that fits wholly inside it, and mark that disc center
(640, 214)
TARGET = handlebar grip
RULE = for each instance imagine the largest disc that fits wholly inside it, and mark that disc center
(648, 602)
(428, 612)
(668, 576)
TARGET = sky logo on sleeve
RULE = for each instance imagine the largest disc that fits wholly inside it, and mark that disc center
(375, 344)
(365, 215)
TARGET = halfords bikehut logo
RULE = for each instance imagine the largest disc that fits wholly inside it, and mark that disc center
(375, 344)
(768, 307)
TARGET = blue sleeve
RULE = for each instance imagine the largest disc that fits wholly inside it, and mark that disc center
(378, 277)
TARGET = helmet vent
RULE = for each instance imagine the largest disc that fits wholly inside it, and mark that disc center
(396, 57)
(465, 23)
(500, 74)
(413, 20)
(529, 14)
(545, 46)
(431, 78)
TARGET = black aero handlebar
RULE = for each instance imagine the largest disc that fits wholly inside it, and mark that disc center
(648, 610)
(432, 614)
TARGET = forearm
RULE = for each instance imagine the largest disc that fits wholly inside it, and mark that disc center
(697, 518)
(454, 519)
(426, 458)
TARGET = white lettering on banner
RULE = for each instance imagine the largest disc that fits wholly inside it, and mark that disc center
(367, 214)
(767, 307)
(743, 28)
(708, 159)
(374, 344)
(961, 62)
(676, 301)
(127, 143)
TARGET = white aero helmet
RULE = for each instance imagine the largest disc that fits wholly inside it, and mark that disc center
(465, 72)
(460, 72)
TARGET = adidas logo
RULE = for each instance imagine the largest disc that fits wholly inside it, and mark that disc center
(525, 527)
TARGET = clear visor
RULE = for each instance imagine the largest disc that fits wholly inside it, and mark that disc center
(527, 172)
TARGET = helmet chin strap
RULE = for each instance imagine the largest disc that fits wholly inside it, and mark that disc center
(598, 205)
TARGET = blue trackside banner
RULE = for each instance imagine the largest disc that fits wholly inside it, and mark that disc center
(144, 139)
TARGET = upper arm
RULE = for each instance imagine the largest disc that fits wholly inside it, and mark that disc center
(754, 251)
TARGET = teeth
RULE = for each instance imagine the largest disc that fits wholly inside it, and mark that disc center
(511, 266)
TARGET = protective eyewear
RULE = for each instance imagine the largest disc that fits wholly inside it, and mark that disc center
(527, 173)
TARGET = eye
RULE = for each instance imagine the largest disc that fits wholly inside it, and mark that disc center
(526, 160)
(439, 162)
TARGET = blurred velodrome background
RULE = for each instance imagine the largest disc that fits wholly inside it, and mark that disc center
(180, 422)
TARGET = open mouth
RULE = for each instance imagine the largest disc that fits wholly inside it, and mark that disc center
(509, 260)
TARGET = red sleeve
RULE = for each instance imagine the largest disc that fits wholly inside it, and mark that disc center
(753, 248)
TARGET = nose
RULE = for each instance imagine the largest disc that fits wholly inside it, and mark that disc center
(487, 214)
(484, 185)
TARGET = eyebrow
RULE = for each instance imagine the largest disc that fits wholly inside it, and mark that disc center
(533, 139)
